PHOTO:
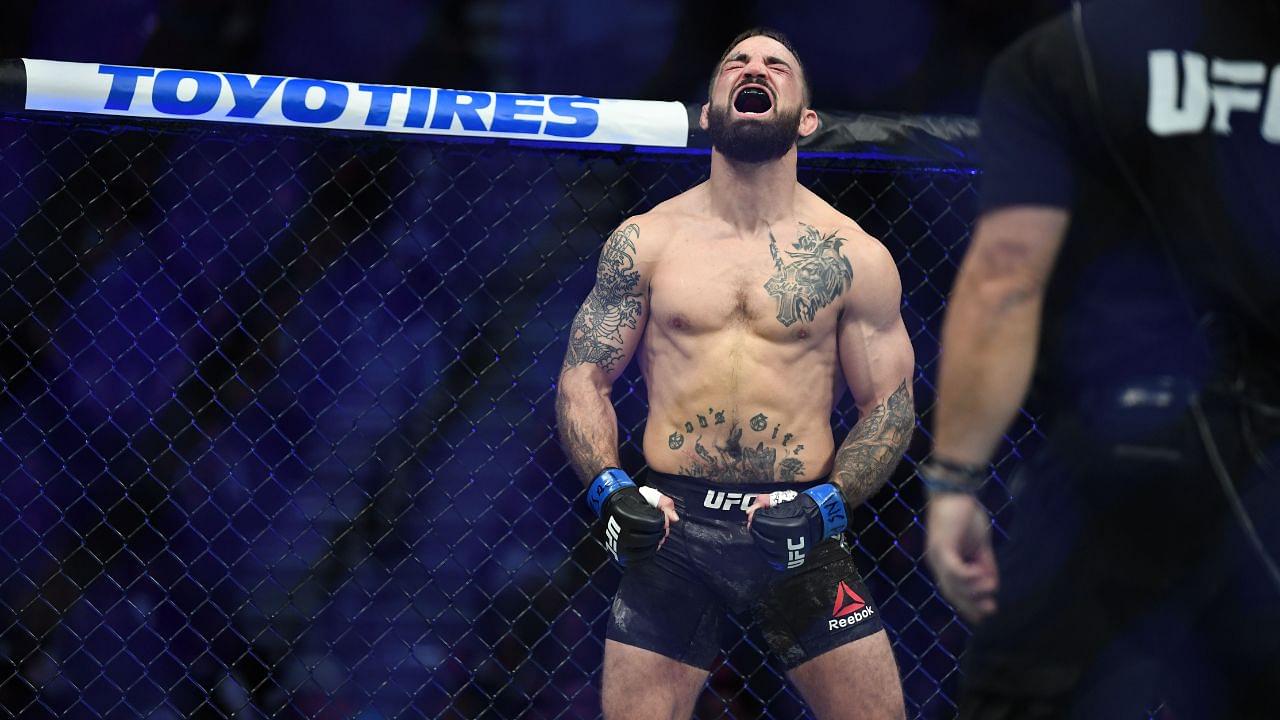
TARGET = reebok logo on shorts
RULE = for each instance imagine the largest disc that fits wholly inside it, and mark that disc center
(850, 608)
(847, 601)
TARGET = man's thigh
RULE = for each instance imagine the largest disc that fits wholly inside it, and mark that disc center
(822, 624)
(858, 680)
(644, 685)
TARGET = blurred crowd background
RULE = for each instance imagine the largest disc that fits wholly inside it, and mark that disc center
(880, 55)
(276, 426)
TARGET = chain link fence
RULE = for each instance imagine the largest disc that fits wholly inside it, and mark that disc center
(277, 426)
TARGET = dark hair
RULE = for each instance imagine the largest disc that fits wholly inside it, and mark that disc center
(773, 35)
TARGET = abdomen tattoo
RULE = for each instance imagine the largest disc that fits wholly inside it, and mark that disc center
(743, 458)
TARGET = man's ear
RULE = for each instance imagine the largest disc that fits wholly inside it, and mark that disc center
(702, 117)
(809, 122)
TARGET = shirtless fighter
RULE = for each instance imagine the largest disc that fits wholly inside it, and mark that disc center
(752, 305)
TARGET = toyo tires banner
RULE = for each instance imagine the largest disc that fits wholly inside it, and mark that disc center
(207, 96)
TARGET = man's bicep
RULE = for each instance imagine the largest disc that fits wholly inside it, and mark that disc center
(608, 326)
(876, 356)
(878, 363)
(1014, 249)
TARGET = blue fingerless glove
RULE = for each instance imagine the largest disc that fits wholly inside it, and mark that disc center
(609, 481)
(788, 530)
(633, 529)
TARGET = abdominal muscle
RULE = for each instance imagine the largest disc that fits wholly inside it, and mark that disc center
(745, 410)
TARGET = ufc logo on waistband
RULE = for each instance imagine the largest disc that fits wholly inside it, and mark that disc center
(795, 553)
(720, 500)
(1179, 102)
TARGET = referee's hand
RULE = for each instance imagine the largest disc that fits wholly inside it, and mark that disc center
(960, 555)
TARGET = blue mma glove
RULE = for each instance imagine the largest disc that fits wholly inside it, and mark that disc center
(633, 526)
(787, 525)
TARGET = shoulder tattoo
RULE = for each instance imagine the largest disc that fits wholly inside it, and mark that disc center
(614, 303)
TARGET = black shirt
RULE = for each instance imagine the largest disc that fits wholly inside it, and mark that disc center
(1188, 106)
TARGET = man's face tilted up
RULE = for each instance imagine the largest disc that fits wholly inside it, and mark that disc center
(758, 96)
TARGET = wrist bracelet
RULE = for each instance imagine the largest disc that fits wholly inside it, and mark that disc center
(944, 476)
(977, 470)
(942, 487)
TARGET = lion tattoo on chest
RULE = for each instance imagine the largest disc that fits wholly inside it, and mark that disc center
(812, 277)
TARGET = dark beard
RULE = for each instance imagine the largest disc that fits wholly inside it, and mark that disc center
(752, 141)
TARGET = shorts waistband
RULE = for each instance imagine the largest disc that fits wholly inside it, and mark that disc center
(717, 500)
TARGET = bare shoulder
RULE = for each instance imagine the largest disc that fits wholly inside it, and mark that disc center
(689, 206)
(635, 243)
(651, 230)
(876, 288)
(867, 254)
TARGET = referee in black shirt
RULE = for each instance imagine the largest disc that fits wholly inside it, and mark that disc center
(1125, 270)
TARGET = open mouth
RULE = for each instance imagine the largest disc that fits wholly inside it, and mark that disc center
(752, 101)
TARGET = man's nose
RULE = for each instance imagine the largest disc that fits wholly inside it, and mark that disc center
(755, 67)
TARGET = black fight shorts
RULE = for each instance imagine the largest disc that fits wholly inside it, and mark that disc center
(676, 604)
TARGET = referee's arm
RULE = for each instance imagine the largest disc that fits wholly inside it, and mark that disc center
(989, 340)
(992, 326)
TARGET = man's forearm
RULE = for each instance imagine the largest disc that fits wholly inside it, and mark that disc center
(989, 344)
(992, 329)
(874, 447)
(588, 429)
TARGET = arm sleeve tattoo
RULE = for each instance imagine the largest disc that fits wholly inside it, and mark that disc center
(614, 303)
(587, 441)
(874, 447)
(585, 418)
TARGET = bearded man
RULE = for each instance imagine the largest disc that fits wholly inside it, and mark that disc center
(752, 305)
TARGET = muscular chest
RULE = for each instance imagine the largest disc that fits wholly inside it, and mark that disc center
(774, 288)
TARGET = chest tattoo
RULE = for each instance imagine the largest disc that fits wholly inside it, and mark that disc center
(811, 278)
